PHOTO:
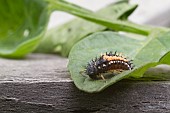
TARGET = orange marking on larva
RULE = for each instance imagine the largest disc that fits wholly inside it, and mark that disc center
(109, 58)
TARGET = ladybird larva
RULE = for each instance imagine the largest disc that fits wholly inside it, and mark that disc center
(107, 62)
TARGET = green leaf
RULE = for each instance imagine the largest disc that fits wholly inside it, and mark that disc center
(146, 53)
(75, 30)
(156, 51)
(23, 23)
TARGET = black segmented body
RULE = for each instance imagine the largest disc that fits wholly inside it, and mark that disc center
(103, 65)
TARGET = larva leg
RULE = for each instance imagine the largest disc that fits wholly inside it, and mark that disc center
(102, 77)
(82, 72)
(117, 71)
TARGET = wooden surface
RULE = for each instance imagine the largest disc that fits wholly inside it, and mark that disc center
(41, 84)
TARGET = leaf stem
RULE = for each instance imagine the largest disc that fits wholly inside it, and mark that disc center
(90, 16)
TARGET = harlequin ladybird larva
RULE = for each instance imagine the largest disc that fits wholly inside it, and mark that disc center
(106, 63)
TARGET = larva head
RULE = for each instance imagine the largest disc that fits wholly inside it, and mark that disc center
(91, 70)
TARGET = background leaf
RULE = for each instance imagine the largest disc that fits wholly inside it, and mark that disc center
(61, 39)
(143, 53)
(26, 22)
(22, 25)
(116, 25)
